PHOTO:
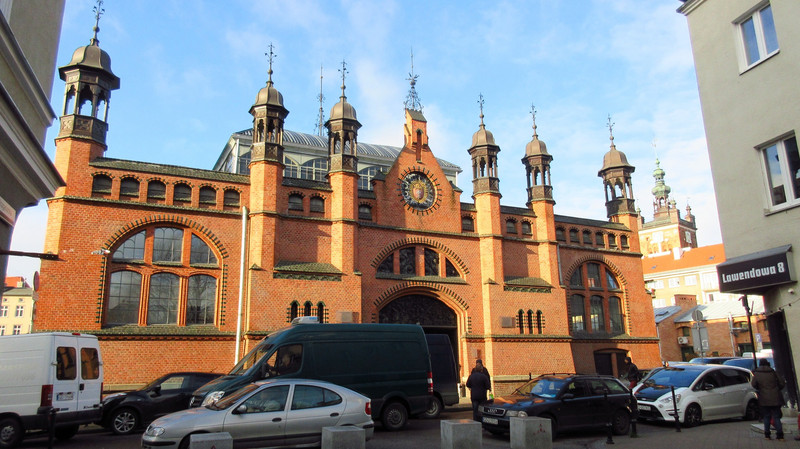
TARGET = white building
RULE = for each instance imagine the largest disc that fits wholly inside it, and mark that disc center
(747, 57)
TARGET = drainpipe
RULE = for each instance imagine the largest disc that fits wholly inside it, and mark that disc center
(241, 285)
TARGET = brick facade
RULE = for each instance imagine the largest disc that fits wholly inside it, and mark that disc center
(473, 285)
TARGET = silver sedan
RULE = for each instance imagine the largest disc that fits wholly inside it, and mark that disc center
(274, 413)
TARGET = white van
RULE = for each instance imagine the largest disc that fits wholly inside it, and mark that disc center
(39, 372)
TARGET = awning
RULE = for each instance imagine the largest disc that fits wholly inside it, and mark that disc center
(754, 273)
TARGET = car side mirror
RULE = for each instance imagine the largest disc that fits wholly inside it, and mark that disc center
(240, 410)
(156, 391)
(566, 396)
(708, 387)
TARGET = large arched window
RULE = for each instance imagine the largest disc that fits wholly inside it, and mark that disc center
(315, 169)
(594, 304)
(365, 177)
(162, 275)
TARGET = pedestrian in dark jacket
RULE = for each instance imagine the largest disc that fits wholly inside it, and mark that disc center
(769, 384)
(633, 373)
(478, 385)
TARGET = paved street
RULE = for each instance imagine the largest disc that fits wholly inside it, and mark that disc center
(424, 434)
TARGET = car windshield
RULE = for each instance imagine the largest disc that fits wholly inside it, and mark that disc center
(227, 401)
(546, 387)
(677, 377)
(155, 383)
(250, 359)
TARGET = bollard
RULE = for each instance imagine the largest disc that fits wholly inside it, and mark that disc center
(461, 434)
(51, 426)
(531, 432)
(609, 424)
(675, 413)
(634, 416)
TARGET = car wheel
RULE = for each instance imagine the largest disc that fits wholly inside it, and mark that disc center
(620, 422)
(10, 432)
(434, 410)
(65, 432)
(394, 416)
(124, 421)
(693, 416)
(752, 412)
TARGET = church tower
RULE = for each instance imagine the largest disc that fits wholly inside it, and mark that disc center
(266, 169)
(342, 126)
(82, 135)
(616, 174)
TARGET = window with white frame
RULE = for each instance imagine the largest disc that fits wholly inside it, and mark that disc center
(3, 311)
(690, 280)
(782, 166)
(17, 329)
(709, 281)
(759, 40)
(674, 282)
(2, 330)
(659, 284)
(19, 311)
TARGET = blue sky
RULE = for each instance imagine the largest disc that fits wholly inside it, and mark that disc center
(190, 72)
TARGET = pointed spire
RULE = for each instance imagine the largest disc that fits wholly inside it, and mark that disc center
(271, 55)
(412, 99)
(98, 11)
(321, 98)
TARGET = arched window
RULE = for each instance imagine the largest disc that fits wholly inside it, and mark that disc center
(321, 312)
(307, 308)
(123, 298)
(539, 322)
(208, 195)
(573, 236)
(294, 310)
(408, 267)
(231, 198)
(295, 201)
(316, 204)
(521, 321)
(101, 184)
(291, 168)
(530, 321)
(587, 237)
(561, 235)
(595, 307)
(201, 299)
(599, 240)
(612, 241)
(182, 193)
(150, 267)
(163, 299)
(511, 227)
(156, 190)
(315, 169)
(431, 262)
(623, 240)
(365, 212)
(526, 228)
(408, 261)
(467, 224)
(129, 187)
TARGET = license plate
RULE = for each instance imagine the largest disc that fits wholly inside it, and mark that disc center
(490, 420)
(645, 408)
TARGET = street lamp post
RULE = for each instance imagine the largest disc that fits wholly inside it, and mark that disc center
(746, 305)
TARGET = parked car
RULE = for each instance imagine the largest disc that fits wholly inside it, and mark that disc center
(748, 362)
(125, 412)
(445, 374)
(389, 363)
(273, 413)
(702, 393)
(570, 401)
(710, 360)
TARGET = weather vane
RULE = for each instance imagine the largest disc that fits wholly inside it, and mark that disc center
(98, 11)
(271, 56)
(533, 114)
(412, 100)
(480, 103)
(610, 128)
(343, 71)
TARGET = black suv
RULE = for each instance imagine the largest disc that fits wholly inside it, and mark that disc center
(570, 401)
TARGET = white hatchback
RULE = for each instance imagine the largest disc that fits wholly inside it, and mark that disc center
(697, 393)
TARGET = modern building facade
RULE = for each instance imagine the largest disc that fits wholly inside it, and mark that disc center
(747, 55)
(29, 33)
(182, 268)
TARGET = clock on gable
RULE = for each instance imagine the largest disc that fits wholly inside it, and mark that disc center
(418, 191)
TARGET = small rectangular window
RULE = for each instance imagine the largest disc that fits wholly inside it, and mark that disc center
(781, 162)
(90, 364)
(66, 369)
(758, 37)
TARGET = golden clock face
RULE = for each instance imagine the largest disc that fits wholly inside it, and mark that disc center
(418, 191)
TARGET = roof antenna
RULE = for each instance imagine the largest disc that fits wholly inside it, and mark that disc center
(321, 98)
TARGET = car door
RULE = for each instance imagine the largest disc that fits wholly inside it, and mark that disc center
(737, 386)
(312, 408)
(260, 419)
(577, 406)
(171, 395)
(710, 394)
(67, 379)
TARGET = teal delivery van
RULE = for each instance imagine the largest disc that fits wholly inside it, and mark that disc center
(389, 363)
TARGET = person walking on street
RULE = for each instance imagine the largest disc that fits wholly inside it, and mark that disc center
(768, 385)
(478, 384)
(633, 373)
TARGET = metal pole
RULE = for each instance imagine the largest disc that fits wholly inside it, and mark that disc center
(609, 423)
(241, 285)
(746, 305)
(634, 416)
(675, 409)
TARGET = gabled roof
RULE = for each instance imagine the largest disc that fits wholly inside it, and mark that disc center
(721, 310)
(696, 257)
(662, 313)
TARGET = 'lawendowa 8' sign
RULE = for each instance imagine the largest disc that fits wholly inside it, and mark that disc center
(755, 271)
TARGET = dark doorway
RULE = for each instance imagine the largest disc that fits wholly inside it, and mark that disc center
(430, 313)
(602, 363)
(782, 352)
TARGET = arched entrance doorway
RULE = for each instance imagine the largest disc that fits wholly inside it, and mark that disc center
(427, 311)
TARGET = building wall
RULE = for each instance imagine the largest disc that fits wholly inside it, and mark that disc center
(12, 300)
(744, 109)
